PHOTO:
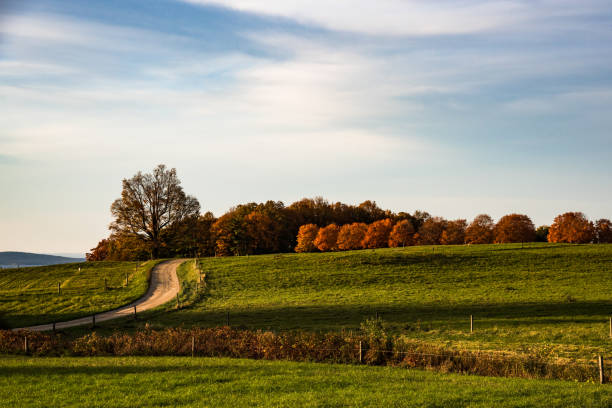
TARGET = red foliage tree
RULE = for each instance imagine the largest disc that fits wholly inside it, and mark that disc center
(454, 233)
(402, 234)
(377, 235)
(327, 238)
(571, 227)
(306, 237)
(431, 231)
(480, 231)
(514, 228)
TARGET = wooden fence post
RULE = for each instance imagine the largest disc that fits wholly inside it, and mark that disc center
(59, 288)
(25, 344)
(192, 346)
(53, 327)
(471, 324)
(360, 353)
(602, 379)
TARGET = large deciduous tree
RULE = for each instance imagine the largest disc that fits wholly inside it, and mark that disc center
(351, 236)
(603, 231)
(327, 238)
(402, 234)
(306, 237)
(571, 227)
(378, 233)
(149, 204)
(454, 233)
(514, 228)
(431, 231)
(480, 231)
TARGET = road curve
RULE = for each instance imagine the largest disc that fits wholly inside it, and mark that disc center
(163, 287)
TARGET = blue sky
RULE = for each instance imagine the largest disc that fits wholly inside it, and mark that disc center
(453, 107)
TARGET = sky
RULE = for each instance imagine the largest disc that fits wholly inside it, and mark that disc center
(455, 107)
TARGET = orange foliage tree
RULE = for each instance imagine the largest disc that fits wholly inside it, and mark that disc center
(454, 233)
(261, 233)
(351, 236)
(402, 234)
(306, 237)
(480, 231)
(603, 231)
(377, 235)
(514, 228)
(431, 231)
(327, 238)
(572, 227)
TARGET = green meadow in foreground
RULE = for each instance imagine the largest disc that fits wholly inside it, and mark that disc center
(224, 382)
(29, 296)
(545, 298)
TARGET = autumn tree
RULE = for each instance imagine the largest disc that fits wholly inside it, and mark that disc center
(327, 238)
(306, 237)
(431, 231)
(377, 235)
(542, 233)
(454, 233)
(603, 231)
(100, 252)
(351, 236)
(150, 203)
(514, 228)
(480, 231)
(261, 233)
(402, 234)
(571, 227)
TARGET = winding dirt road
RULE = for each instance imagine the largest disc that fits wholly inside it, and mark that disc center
(163, 288)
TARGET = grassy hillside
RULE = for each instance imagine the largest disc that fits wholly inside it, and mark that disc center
(29, 296)
(222, 382)
(552, 298)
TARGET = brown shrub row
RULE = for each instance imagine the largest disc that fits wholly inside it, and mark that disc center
(295, 346)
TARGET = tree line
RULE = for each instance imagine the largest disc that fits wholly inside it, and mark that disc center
(571, 227)
(154, 218)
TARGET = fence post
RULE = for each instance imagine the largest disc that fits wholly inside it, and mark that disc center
(25, 344)
(53, 327)
(134, 312)
(602, 379)
(126, 280)
(105, 285)
(192, 346)
(59, 288)
(471, 324)
(360, 353)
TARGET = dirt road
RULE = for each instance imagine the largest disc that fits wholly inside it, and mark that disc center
(163, 288)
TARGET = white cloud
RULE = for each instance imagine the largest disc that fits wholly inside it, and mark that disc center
(395, 17)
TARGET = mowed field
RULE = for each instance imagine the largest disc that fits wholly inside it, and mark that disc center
(224, 382)
(544, 298)
(30, 296)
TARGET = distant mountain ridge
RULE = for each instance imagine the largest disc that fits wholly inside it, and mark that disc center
(8, 259)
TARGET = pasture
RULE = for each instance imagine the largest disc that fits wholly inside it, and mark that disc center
(224, 382)
(30, 296)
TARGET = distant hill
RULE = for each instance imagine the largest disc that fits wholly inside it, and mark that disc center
(12, 259)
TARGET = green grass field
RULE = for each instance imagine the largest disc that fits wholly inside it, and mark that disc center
(29, 296)
(547, 298)
(223, 382)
